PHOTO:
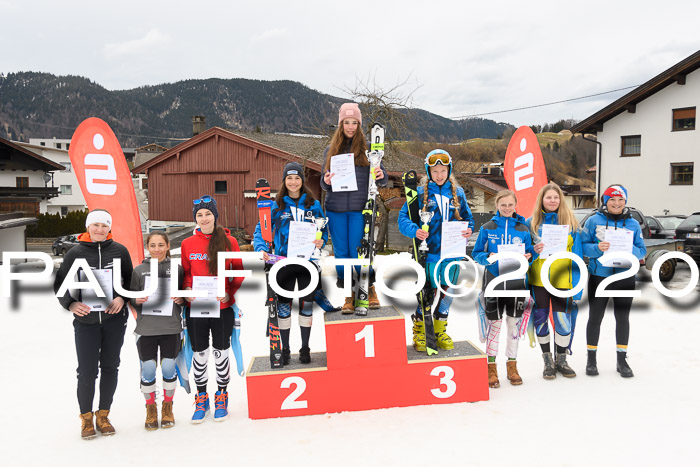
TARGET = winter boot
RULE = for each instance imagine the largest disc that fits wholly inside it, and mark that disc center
(418, 334)
(102, 423)
(87, 428)
(591, 364)
(493, 376)
(444, 341)
(201, 401)
(305, 355)
(286, 356)
(513, 376)
(151, 417)
(622, 367)
(167, 419)
(349, 305)
(563, 367)
(550, 372)
(220, 406)
(373, 300)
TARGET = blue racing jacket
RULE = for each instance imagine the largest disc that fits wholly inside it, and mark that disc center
(594, 232)
(501, 231)
(440, 204)
(292, 210)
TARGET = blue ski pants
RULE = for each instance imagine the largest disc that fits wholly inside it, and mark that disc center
(346, 229)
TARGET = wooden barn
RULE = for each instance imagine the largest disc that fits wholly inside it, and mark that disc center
(220, 163)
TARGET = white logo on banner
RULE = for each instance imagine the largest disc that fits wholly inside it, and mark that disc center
(103, 175)
(524, 178)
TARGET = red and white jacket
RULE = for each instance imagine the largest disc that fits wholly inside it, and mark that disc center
(194, 257)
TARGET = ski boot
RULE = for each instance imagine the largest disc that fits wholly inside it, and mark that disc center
(563, 367)
(201, 410)
(102, 423)
(591, 364)
(444, 341)
(493, 376)
(87, 428)
(550, 371)
(418, 334)
(513, 376)
(220, 406)
(151, 417)
(622, 367)
(286, 356)
(167, 419)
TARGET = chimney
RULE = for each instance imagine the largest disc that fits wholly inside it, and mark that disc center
(199, 124)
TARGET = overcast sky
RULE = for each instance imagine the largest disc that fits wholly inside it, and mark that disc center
(461, 58)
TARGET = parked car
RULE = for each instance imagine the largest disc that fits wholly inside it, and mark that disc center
(583, 214)
(689, 230)
(664, 226)
(62, 244)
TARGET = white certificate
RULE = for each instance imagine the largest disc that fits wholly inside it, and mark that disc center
(301, 239)
(343, 168)
(555, 239)
(205, 307)
(620, 240)
(159, 302)
(90, 298)
(453, 245)
(508, 265)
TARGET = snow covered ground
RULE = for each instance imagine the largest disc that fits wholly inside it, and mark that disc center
(650, 419)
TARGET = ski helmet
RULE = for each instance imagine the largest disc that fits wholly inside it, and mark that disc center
(438, 156)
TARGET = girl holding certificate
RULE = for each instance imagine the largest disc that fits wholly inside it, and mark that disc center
(345, 201)
(613, 218)
(440, 195)
(293, 214)
(199, 255)
(99, 323)
(554, 228)
(158, 325)
(506, 231)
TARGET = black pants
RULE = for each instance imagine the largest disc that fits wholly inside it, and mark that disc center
(289, 275)
(496, 307)
(543, 299)
(621, 307)
(98, 346)
(220, 329)
(148, 346)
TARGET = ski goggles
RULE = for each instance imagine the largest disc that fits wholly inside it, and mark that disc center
(203, 199)
(436, 157)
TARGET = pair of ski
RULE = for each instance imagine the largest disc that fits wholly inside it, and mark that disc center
(265, 202)
(368, 247)
(420, 255)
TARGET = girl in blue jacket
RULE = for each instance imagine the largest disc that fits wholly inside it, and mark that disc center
(439, 194)
(294, 202)
(505, 228)
(613, 215)
(550, 209)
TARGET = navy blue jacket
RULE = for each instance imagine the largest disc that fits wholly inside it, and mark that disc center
(344, 201)
(501, 231)
(292, 210)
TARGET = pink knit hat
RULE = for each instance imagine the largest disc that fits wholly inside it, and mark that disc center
(349, 110)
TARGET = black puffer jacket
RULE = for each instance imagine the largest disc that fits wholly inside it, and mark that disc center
(99, 255)
(344, 201)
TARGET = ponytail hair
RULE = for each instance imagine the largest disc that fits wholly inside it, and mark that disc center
(218, 242)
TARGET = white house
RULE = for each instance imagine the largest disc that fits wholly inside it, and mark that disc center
(649, 142)
(51, 143)
(69, 198)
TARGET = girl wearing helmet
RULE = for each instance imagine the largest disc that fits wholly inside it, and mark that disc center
(440, 194)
